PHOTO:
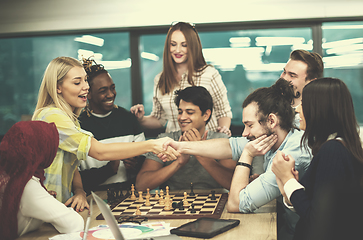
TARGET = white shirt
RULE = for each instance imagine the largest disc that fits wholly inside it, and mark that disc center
(38, 206)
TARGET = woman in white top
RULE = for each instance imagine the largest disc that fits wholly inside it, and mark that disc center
(184, 66)
(25, 151)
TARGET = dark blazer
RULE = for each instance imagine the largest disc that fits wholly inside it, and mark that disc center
(331, 206)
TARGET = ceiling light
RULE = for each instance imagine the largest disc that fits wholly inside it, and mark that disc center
(90, 40)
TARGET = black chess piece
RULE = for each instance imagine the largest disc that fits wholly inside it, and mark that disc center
(213, 197)
(192, 210)
(181, 206)
(109, 195)
(191, 190)
(175, 205)
(120, 194)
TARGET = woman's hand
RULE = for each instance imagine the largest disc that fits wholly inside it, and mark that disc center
(168, 153)
(53, 193)
(138, 110)
(284, 167)
(78, 202)
(225, 130)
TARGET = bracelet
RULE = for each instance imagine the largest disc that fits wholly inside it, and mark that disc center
(244, 164)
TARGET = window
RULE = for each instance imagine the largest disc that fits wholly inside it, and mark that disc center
(343, 58)
(246, 59)
(24, 60)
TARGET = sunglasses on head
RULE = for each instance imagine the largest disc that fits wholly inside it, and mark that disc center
(192, 25)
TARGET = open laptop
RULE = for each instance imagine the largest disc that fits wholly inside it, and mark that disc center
(112, 223)
(107, 215)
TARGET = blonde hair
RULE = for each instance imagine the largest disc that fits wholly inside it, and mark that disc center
(56, 70)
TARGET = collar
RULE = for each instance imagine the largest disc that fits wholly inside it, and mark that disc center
(332, 136)
(271, 152)
(101, 115)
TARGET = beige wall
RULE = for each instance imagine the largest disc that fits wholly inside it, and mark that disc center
(55, 15)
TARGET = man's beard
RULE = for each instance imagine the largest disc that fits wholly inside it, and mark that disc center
(268, 132)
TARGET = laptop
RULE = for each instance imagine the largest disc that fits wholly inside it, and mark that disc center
(112, 223)
(107, 215)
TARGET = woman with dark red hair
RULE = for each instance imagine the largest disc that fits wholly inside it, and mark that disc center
(25, 151)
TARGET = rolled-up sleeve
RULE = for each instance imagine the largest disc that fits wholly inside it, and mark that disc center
(259, 192)
(71, 137)
(237, 145)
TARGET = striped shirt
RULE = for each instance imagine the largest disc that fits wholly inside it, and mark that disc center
(166, 111)
(74, 144)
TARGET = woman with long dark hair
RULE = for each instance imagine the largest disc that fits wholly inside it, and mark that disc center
(329, 196)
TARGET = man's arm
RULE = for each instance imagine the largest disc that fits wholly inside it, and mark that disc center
(240, 180)
(152, 173)
(221, 171)
(214, 148)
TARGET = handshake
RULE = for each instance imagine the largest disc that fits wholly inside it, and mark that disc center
(168, 150)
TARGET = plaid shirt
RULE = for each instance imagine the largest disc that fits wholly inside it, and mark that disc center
(74, 144)
(166, 111)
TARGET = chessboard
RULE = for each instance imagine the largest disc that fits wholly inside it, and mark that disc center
(198, 205)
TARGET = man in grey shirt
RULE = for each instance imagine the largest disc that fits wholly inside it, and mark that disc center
(195, 107)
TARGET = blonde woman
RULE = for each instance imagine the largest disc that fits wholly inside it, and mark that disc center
(62, 95)
(184, 66)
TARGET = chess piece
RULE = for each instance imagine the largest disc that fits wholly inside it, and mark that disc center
(140, 197)
(148, 192)
(191, 190)
(167, 196)
(147, 202)
(138, 212)
(157, 195)
(161, 201)
(193, 210)
(167, 190)
(109, 195)
(213, 197)
(161, 193)
(119, 194)
(181, 207)
(133, 197)
(175, 205)
(185, 201)
(167, 204)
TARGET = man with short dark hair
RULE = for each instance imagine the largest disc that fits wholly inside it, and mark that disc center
(195, 107)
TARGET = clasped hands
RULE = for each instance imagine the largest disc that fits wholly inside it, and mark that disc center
(283, 166)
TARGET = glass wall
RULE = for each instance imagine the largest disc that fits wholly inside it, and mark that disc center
(246, 59)
(24, 60)
(343, 57)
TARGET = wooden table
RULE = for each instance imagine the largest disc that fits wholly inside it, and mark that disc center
(259, 225)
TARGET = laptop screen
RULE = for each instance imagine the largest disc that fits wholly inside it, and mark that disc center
(110, 219)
